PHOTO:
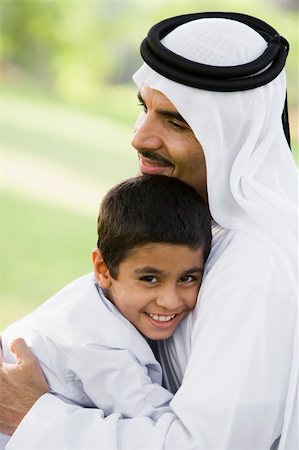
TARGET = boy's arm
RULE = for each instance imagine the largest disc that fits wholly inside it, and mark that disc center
(15, 378)
(124, 387)
(116, 382)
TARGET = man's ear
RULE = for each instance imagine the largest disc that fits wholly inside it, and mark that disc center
(101, 270)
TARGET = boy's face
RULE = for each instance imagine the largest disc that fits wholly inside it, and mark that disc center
(156, 287)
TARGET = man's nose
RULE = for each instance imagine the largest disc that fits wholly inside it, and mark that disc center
(169, 298)
(146, 135)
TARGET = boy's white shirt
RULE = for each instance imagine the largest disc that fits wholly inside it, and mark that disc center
(91, 354)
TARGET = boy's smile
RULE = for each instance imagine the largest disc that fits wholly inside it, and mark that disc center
(156, 286)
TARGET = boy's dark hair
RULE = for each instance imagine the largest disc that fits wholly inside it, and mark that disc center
(151, 209)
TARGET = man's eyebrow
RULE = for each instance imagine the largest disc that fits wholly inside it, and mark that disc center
(172, 115)
(165, 112)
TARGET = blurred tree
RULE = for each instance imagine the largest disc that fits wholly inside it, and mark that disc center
(65, 45)
(28, 38)
(74, 47)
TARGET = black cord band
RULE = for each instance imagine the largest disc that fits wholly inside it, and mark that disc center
(216, 78)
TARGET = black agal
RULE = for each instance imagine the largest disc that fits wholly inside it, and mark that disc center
(217, 78)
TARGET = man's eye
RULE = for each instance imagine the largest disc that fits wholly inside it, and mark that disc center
(149, 279)
(176, 125)
(143, 106)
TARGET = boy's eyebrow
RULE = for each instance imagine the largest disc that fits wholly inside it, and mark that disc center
(194, 270)
(155, 271)
(166, 113)
(148, 269)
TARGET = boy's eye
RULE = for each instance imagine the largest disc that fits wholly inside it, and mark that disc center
(149, 279)
(187, 278)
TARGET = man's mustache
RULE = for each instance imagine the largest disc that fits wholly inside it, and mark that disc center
(156, 157)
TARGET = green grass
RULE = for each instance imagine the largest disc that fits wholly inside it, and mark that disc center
(89, 144)
(42, 249)
(44, 245)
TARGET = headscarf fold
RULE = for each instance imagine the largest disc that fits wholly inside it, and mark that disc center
(251, 174)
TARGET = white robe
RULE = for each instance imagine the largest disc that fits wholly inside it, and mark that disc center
(91, 354)
(236, 355)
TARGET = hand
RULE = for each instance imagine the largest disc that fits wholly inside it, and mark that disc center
(21, 385)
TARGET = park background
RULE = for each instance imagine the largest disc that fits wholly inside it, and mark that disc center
(68, 107)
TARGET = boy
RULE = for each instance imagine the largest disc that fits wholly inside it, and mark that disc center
(153, 239)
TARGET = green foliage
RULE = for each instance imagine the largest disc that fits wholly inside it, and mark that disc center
(70, 47)
(74, 47)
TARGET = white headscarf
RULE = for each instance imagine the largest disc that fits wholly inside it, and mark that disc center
(251, 174)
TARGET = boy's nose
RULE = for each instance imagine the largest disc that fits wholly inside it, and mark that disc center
(169, 299)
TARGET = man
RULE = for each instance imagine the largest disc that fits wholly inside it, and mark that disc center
(213, 93)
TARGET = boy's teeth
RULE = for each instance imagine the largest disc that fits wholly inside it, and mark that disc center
(161, 318)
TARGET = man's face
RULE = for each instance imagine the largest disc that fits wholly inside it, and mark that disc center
(156, 287)
(166, 144)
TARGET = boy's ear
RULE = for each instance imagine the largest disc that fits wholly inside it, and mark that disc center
(101, 270)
